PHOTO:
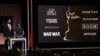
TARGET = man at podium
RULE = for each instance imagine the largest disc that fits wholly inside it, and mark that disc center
(19, 31)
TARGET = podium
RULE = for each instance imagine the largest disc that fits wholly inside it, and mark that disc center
(24, 44)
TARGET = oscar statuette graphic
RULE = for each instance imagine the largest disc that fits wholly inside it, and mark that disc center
(69, 15)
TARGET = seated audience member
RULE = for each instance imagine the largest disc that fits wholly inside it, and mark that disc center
(19, 31)
(65, 53)
(43, 53)
(90, 53)
(57, 52)
(13, 52)
(30, 52)
(49, 52)
(37, 52)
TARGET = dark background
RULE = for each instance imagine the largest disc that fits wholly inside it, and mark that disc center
(19, 7)
(23, 4)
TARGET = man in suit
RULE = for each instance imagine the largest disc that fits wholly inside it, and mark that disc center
(7, 30)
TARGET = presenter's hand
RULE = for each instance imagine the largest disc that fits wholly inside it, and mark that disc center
(14, 36)
(20, 36)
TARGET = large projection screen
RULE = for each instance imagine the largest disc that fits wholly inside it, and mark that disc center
(65, 23)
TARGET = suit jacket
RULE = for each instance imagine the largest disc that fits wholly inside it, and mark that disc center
(7, 32)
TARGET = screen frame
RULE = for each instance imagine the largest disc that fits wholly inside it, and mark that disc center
(75, 45)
